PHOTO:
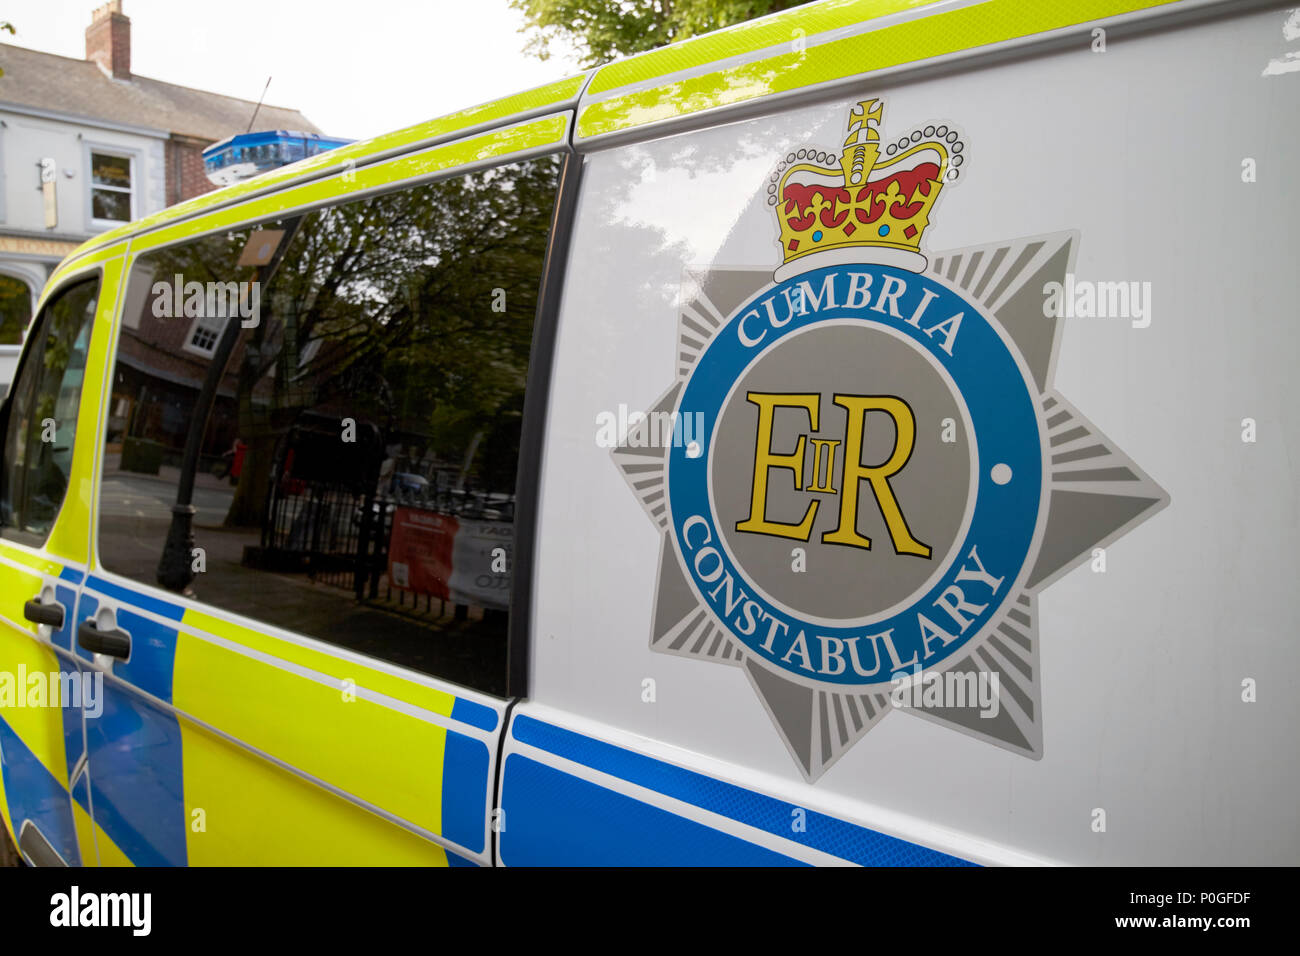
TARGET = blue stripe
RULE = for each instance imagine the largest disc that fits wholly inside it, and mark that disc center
(72, 574)
(136, 779)
(34, 794)
(74, 740)
(475, 714)
(136, 774)
(553, 818)
(153, 654)
(144, 601)
(81, 793)
(464, 790)
(819, 832)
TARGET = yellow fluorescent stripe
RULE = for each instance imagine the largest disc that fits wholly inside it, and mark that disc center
(70, 536)
(380, 755)
(68, 266)
(497, 144)
(110, 854)
(555, 94)
(419, 695)
(19, 588)
(37, 562)
(40, 728)
(908, 42)
(784, 27)
(243, 810)
(85, 831)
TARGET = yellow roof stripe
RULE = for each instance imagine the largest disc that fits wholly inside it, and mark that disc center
(557, 95)
(910, 41)
(497, 144)
(89, 258)
(748, 37)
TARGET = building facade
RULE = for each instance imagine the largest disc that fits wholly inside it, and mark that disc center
(86, 145)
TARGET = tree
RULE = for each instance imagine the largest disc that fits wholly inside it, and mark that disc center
(600, 30)
(7, 27)
(397, 291)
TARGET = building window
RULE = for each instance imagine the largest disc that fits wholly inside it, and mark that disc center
(15, 309)
(110, 189)
(204, 334)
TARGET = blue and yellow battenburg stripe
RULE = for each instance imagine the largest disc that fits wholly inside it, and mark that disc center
(231, 746)
(247, 748)
(337, 763)
(571, 798)
(40, 746)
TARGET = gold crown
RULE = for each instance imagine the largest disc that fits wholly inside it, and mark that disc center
(869, 208)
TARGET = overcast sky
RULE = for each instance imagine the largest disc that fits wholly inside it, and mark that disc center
(355, 68)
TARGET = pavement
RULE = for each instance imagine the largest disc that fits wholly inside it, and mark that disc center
(135, 514)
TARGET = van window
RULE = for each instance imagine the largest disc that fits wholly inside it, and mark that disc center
(355, 481)
(41, 418)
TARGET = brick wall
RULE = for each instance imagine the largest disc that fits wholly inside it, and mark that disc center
(108, 40)
(185, 176)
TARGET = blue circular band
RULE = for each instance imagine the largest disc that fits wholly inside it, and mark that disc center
(1003, 413)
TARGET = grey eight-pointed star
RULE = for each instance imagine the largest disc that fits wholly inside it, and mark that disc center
(1095, 495)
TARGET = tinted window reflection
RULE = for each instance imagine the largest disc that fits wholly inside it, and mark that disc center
(41, 420)
(356, 476)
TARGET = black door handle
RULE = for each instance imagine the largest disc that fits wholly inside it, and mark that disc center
(113, 643)
(40, 613)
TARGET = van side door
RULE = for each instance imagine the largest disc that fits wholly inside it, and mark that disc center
(49, 424)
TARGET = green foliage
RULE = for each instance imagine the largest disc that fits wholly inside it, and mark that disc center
(410, 313)
(7, 27)
(600, 30)
(15, 310)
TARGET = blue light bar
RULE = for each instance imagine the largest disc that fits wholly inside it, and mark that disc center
(249, 154)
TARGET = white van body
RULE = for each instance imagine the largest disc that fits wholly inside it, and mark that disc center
(1161, 728)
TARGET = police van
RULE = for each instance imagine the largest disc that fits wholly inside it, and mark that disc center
(864, 435)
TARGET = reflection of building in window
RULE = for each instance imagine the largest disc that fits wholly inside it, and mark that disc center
(363, 436)
(15, 309)
(110, 190)
(204, 334)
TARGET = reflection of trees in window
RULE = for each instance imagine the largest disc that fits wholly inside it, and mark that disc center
(15, 309)
(45, 397)
(410, 313)
(409, 317)
(399, 292)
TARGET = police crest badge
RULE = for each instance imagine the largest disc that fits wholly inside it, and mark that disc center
(886, 477)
